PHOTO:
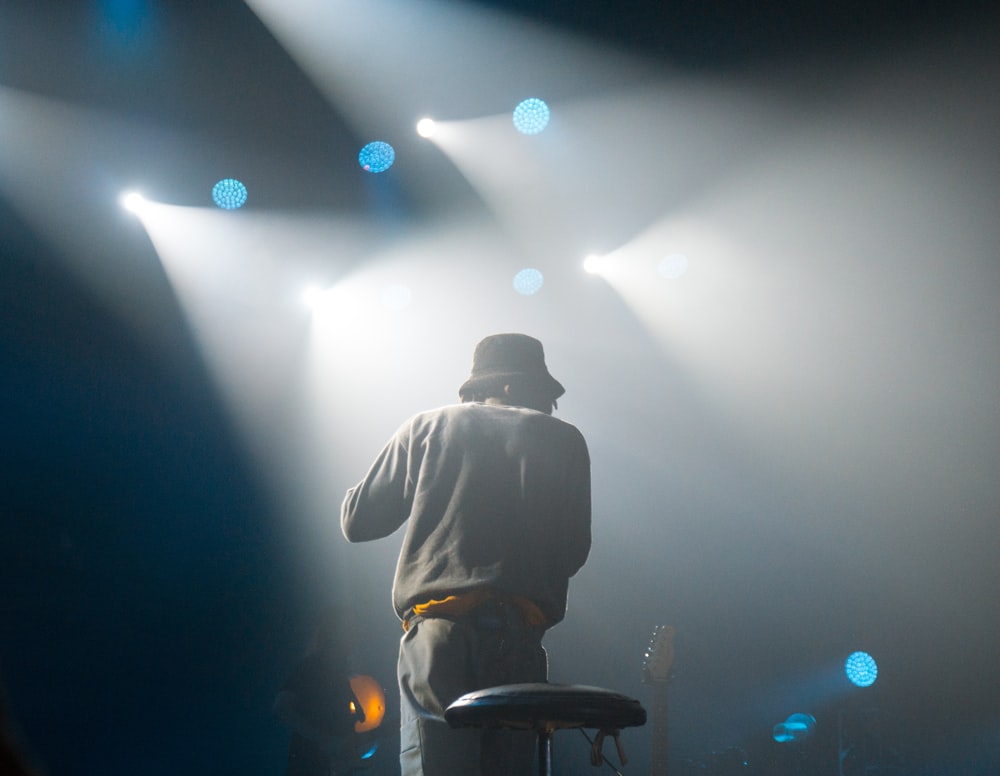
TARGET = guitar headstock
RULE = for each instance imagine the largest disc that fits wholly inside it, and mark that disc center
(659, 655)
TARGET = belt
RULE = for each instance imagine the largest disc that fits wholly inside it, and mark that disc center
(463, 603)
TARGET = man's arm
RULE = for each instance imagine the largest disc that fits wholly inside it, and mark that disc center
(579, 504)
(380, 503)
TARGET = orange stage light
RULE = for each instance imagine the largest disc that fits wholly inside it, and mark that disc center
(372, 700)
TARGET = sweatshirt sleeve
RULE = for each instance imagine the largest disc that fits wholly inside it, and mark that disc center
(579, 507)
(381, 502)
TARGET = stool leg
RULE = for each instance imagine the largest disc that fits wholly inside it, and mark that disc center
(544, 752)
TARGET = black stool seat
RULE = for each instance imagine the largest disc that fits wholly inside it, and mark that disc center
(542, 705)
(544, 708)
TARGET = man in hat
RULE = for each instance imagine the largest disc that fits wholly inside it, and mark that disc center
(496, 496)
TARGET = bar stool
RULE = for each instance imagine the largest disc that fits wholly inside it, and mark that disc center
(545, 708)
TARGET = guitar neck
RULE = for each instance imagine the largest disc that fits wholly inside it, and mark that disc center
(658, 741)
(656, 671)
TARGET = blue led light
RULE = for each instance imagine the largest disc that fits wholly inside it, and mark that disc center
(377, 156)
(531, 116)
(528, 281)
(229, 194)
(798, 727)
(782, 734)
(861, 669)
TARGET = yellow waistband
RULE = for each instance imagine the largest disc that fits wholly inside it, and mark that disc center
(463, 603)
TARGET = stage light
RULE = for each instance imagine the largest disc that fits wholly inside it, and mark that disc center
(798, 727)
(781, 734)
(132, 201)
(531, 116)
(861, 669)
(377, 156)
(229, 194)
(673, 266)
(594, 264)
(528, 281)
(426, 127)
(372, 699)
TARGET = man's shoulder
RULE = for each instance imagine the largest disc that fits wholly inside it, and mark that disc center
(439, 415)
(436, 414)
(472, 413)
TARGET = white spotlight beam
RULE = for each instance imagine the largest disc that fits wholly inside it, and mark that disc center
(426, 127)
(132, 201)
(608, 166)
(385, 63)
(238, 278)
(385, 60)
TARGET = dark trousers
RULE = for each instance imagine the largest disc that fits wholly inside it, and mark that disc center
(441, 660)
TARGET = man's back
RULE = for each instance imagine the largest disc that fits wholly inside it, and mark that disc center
(496, 496)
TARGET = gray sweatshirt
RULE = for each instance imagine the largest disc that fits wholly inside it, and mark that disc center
(496, 497)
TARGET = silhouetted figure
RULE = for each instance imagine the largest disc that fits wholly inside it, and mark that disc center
(318, 704)
(496, 496)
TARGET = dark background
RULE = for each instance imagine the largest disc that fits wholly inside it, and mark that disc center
(158, 582)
